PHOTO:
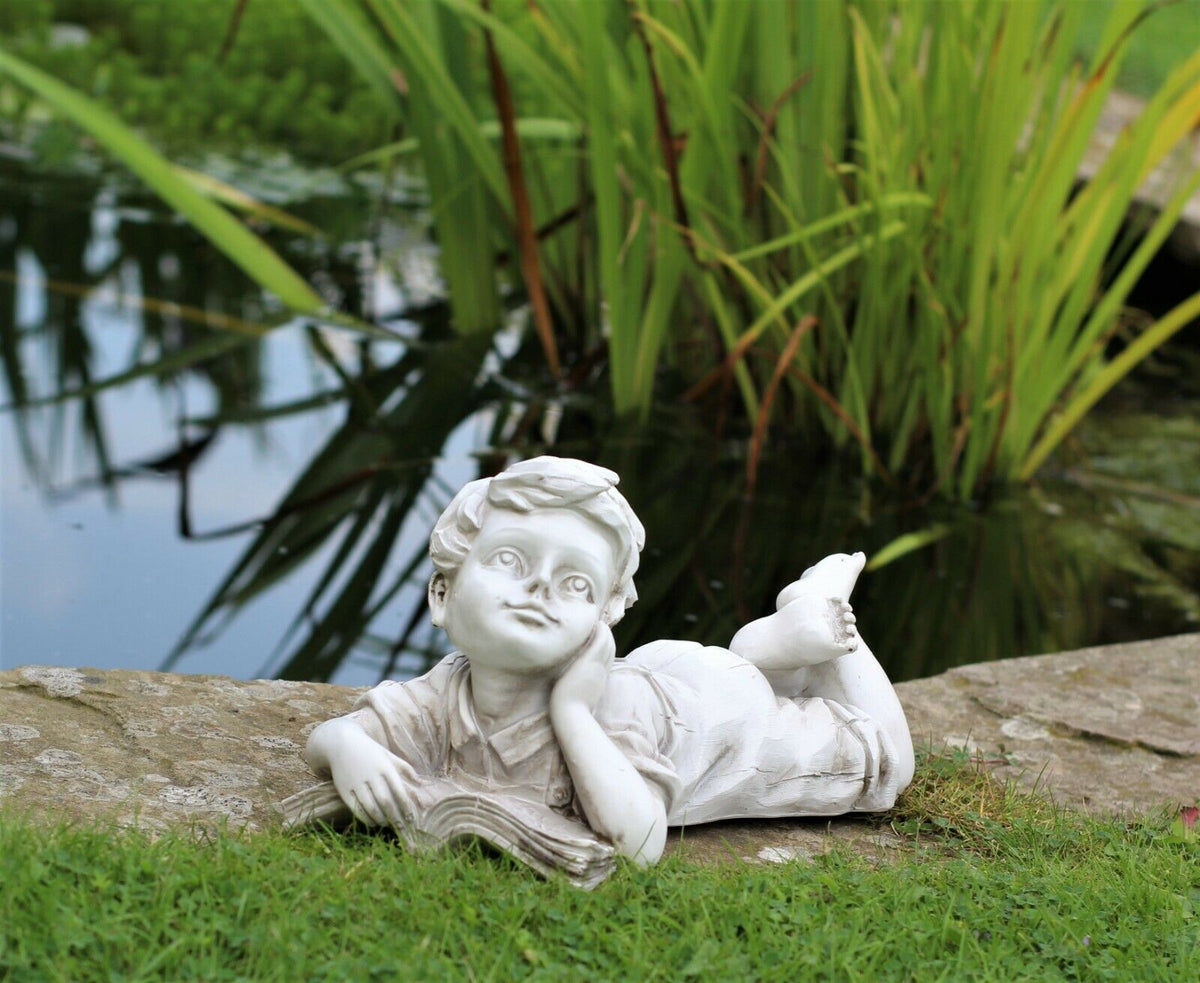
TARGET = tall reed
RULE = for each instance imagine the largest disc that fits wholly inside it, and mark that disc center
(902, 175)
(859, 216)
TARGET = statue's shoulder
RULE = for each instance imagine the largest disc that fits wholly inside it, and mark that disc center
(676, 657)
(656, 654)
(436, 680)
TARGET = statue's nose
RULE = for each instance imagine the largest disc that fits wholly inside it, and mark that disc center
(539, 581)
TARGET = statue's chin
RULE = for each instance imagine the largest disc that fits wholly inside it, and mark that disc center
(516, 652)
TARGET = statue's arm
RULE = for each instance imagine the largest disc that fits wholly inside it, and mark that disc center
(617, 801)
(335, 739)
(374, 783)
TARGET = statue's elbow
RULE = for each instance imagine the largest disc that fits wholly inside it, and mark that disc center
(646, 849)
(643, 841)
(318, 749)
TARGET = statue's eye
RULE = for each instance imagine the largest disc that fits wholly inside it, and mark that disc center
(507, 559)
(578, 586)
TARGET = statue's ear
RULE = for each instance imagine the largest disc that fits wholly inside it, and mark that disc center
(438, 585)
(614, 610)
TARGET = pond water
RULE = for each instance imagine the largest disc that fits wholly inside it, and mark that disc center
(268, 507)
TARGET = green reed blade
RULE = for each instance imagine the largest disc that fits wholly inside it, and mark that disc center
(545, 129)
(1162, 329)
(345, 26)
(907, 543)
(518, 52)
(441, 91)
(227, 194)
(242, 246)
(841, 217)
(838, 260)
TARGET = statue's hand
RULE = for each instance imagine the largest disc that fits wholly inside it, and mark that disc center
(378, 787)
(818, 629)
(583, 681)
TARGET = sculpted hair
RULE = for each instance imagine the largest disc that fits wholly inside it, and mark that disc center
(544, 483)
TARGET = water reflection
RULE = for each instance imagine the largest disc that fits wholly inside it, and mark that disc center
(276, 488)
(1035, 572)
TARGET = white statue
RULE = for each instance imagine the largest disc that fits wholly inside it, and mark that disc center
(533, 728)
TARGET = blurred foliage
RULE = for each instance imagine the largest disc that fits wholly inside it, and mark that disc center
(158, 64)
(1165, 40)
(862, 217)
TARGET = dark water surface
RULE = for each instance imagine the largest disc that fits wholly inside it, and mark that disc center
(124, 512)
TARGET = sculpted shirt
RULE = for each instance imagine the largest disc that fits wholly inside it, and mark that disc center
(700, 724)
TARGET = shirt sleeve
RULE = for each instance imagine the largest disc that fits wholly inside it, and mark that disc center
(635, 714)
(412, 715)
(880, 780)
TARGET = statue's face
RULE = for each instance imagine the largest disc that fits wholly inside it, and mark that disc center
(530, 591)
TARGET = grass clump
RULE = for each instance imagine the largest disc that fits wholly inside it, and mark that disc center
(1016, 890)
(955, 801)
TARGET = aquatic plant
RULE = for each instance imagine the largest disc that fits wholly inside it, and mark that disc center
(861, 216)
(867, 211)
(858, 227)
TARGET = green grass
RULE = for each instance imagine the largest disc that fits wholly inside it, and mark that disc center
(1000, 887)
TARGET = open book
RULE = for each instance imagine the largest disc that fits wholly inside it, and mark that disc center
(533, 833)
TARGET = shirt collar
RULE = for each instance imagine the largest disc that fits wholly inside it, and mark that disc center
(522, 741)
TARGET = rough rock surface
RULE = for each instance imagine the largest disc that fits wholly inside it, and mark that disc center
(154, 749)
(1113, 729)
(1109, 730)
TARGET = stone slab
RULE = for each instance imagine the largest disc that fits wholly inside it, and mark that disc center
(155, 749)
(783, 840)
(1113, 729)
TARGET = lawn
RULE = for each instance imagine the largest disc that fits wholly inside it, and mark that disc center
(998, 886)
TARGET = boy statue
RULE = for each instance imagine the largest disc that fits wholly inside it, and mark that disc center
(532, 568)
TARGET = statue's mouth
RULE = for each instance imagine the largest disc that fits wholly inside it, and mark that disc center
(532, 614)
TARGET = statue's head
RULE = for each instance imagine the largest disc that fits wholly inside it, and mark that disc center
(529, 559)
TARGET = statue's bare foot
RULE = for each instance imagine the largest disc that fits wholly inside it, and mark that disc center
(816, 629)
(833, 577)
(813, 622)
(843, 624)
